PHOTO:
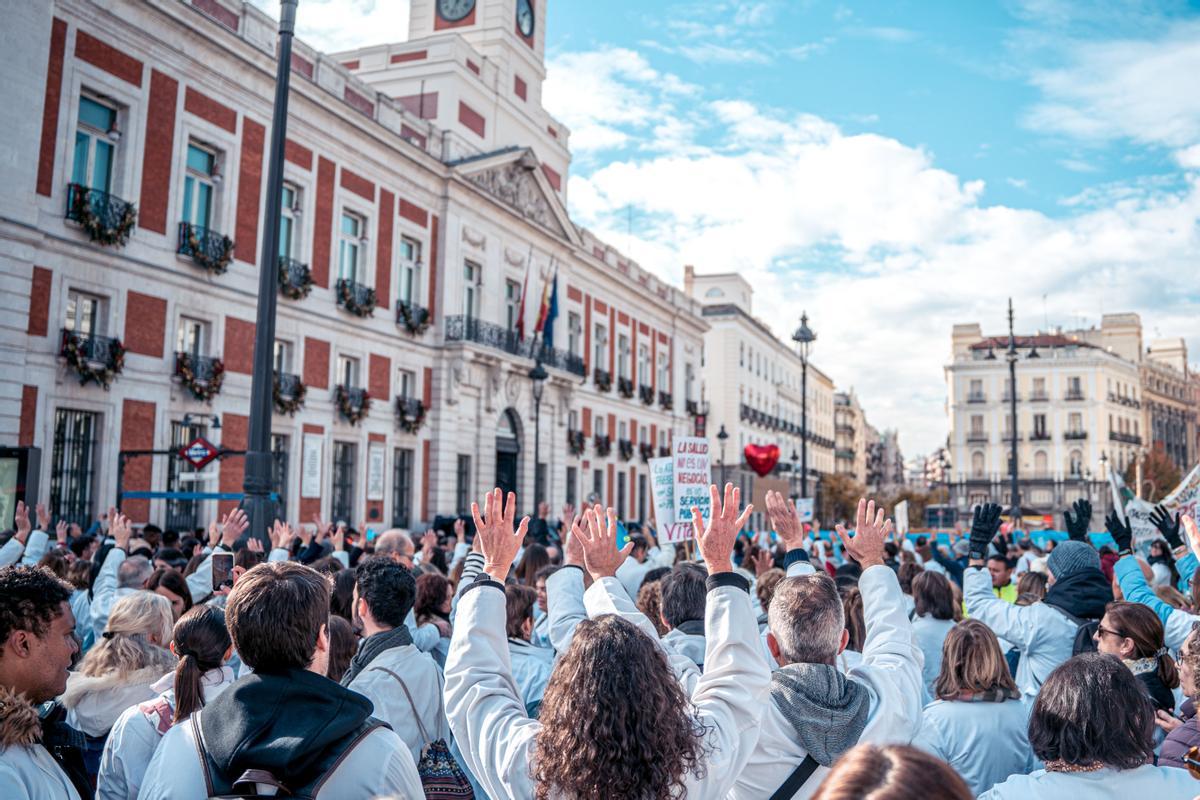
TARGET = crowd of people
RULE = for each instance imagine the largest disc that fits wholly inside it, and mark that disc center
(541, 658)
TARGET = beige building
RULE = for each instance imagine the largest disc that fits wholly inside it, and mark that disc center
(850, 436)
(752, 384)
(413, 221)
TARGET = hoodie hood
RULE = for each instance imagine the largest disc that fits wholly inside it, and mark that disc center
(20, 725)
(1084, 594)
(283, 723)
(828, 710)
(95, 702)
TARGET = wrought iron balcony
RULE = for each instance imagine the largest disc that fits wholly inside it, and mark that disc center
(692, 408)
(203, 368)
(1075, 435)
(625, 387)
(976, 397)
(576, 442)
(469, 329)
(1008, 397)
(1039, 397)
(355, 297)
(1039, 436)
(1073, 396)
(410, 413)
(106, 218)
(664, 452)
(289, 393)
(646, 451)
(352, 402)
(1128, 402)
(412, 317)
(646, 393)
(94, 358)
(603, 379)
(665, 401)
(977, 437)
(1125, 438)
(625, 448)
(295, 278)
(289, 384)
(603, 445)
(207, 248)
(845, 454)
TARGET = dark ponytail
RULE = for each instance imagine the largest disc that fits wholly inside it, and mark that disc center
(201, 640)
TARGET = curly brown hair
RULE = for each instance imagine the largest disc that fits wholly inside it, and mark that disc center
(615, 723)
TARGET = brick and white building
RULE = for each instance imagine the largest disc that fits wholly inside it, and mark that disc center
(435, 209)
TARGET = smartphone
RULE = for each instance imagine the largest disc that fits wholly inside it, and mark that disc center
(222, 570)
(370, 534)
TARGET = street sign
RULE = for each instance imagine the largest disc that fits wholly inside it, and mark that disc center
(198, 452)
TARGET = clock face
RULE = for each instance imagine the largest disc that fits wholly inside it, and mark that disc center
(525, 17)
(454, 10)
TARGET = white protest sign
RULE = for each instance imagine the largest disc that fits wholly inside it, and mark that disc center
(900, 517)
(662, 489)
(310, 465)
(1185, 499)
(693, 476)
(804, 507)
(375, 465)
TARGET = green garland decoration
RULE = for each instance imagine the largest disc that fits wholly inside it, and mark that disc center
(346, 296)
(289, 405)
(102, 375)
(346, 408)
(89, 220)
(201, 390)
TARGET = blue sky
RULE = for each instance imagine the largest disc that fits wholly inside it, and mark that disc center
(893, 168)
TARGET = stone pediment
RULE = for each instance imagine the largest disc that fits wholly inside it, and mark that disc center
(515, 178)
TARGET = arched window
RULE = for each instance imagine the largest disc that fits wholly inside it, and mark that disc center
(977, 464)
(1041, 463)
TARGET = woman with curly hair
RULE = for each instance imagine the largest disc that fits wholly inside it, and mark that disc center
(615, 722)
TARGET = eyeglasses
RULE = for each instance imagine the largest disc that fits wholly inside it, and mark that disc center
(1101, 631)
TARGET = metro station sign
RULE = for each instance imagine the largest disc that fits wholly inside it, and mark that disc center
(198, 452)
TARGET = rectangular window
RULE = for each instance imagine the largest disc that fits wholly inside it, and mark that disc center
(198, 186)
(664, 378)
(402, 488)
(192, 337)
(71, 489)
(95, 145)
(283, 356)
(347, 371)
(598, 484)
(406, 381)
(641, 502)
(621, 495)
(1039, 387)
(689, 386)
(350, 248)
(1039, 425)
(574, 333)
(471, 288)
(84, 313)
(622, 431)
(280, 447)
(643, 364)
(288, 212)
(572, 493)
(600, 348)
(512, 303)
(1075, 422)
(976, 424)
(344, 460)
(1075, 387)
(623, 356)
(182, 515)
(462, 485)
(976, 390)
(410, 269)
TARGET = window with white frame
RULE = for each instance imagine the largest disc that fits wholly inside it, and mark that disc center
(283, 356)
(199, 186)
(512, 303)
(410, 269)
(644, 364)
(85, 313)
(347, 371)
(623, 356)
(664, 377)
(622, 431)
(289, 213)
(351, 250)
(689, 382)
(96, 140)
(406, 383)
(192, 337)
(574, 332)
(472, 278)
(600, 346)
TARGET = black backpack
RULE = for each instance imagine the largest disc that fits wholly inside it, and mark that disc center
(1085, 632)
(246, 785)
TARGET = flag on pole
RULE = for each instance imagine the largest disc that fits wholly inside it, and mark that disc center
(521, 308)
(549, 311)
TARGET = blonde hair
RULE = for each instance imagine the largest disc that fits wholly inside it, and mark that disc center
(972, 662)
(136, 637)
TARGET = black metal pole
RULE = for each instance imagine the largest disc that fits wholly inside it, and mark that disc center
(256, 482)
(804, 427)
(723, 478)
(537, 450)
(1012, 397)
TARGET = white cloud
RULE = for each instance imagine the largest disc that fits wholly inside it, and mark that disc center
(711, 53)
(885, 249)
(333, 25)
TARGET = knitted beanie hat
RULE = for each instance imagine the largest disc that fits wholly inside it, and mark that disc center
(1072, 556)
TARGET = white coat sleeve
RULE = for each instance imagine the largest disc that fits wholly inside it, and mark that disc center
(11, 552)
(732, 693)
(1006, 620)
(460, 552)
(343, 557)
(35, 547)
(483, 706)
(127, 754)
(398, 776)
(564, 606)
(200, 582)
(104, 589)
(892, 660)
(278, 554)
(425, 637)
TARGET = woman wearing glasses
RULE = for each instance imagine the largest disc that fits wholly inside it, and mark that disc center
(1134, 634)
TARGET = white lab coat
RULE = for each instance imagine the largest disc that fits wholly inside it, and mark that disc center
(29, 554)
(984, 742)
(1144, 783)
(890, 672)
(381, 764)
(632, 572)
(1044, 635)
(531, 668)
(94, 703)
(930, 633)
(498, 739)
(27, 770)
(105, 592)
(424, 681)
(136, 734)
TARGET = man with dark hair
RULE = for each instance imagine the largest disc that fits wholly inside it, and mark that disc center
(645, 556)
(684, 590)
(404, 684)
(1001, 570)
(285, 722)
(38, 757)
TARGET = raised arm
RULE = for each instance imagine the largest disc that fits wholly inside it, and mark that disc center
(104, 588)
(14, 548)
(1006, 620)
(786, 522)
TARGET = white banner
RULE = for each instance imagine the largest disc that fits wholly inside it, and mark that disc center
(804, 507)
(1184, 500)
(900, 517)
(375, 471)
(693, 477)
(310, 465)
(662, 489)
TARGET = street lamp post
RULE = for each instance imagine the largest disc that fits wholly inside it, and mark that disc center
(722, 437)
(1104, 477)
(804, 338)
(795, 460)
(1011, 356)
(256, 482)
(538, 376)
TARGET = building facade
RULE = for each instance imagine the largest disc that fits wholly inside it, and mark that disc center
(753, 387)
(1170, 408)
(420, 246)
(850, 436)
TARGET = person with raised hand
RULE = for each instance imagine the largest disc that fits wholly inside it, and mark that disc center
(1177, 623)
(27, 545)
(816, 712)
(1044, 632)
(645, 737)
(1077, 525)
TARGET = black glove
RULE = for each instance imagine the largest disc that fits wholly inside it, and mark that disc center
(1169, 528)
(983, 529)
(1077, 526)
(1121, 533)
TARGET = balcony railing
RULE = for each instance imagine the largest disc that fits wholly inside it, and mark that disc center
(977, 437)
(410, 414)
(1039, 436)
(1128, 402)
(200, 375)
(576, 442)
(603, 379)
(289, 384)
(1073, 396)
(106, 218)
(625, 449)
(665, 401)
(692, 407)
(1008, 397)
(94, 358)
(295, 278)
(469, 329)
(412, 317)
(207, 248)
(603, 445)
(845, 454)
(289, 393)
(625, 387)
(976, 397)
(1075, 435)
(1126, 438)
(1039, 397)
(646, 393)
(357, 298)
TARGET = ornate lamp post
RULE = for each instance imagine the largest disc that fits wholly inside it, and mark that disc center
(538, 376)
(795, 460)
(1011, 356)
(804, 338)
(722, 437)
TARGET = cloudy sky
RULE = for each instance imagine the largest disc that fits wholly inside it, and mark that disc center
(892, 167)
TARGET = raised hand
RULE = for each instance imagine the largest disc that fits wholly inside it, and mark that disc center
(716, 542)
(1120, 531)
(568, 512)
(983, 529)
(573, 550)
(323, 528)
(60, 533)
(1193, 534)
(785, 520)
(281, 535)
(460, 530)
(232, 526)
(254, 545)
(871, 531)
(339, 538)
(599, 544)
(428, 543)
(21, 522)
(43, 517)
(1077, 525)
(120, 529)
(1168, 527)
(763, 562)
(495, 535)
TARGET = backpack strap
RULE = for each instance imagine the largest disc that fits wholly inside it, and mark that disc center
(366, 729)
(420, 726)
(797, 779)
(205, 762)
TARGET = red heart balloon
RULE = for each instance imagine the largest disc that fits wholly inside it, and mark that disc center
(762, 458)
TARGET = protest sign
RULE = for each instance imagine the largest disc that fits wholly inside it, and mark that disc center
(804, 507)
(900, 517)
(1183, 500)
(662, 489)
(693, 476)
